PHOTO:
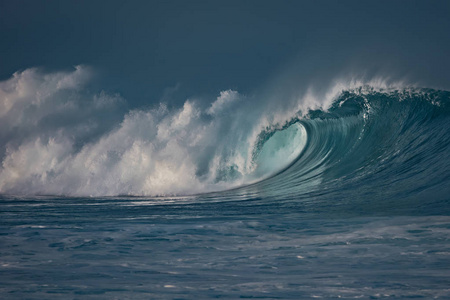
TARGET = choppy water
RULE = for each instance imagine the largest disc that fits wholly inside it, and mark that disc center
(359, 208)
(129, 249)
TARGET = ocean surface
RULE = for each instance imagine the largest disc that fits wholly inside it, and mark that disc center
(347, 202)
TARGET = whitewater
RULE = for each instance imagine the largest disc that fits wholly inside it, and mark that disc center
(335, 193)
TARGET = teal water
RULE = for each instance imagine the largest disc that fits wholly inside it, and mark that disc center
(362, 210)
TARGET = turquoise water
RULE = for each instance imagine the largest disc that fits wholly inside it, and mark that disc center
(357, 206)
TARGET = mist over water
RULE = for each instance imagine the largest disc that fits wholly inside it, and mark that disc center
(60, 138)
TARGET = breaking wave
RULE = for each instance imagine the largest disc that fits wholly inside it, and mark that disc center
(364, 138)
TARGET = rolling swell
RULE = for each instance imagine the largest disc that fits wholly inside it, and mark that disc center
(372, 147)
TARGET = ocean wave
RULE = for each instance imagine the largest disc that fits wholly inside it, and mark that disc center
(60, 140)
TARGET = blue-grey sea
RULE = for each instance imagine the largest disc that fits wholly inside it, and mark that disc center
(58, 248)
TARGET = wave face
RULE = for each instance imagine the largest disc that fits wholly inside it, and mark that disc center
(369, 142)
(386, 149)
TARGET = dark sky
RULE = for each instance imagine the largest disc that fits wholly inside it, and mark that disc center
(142, 49)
